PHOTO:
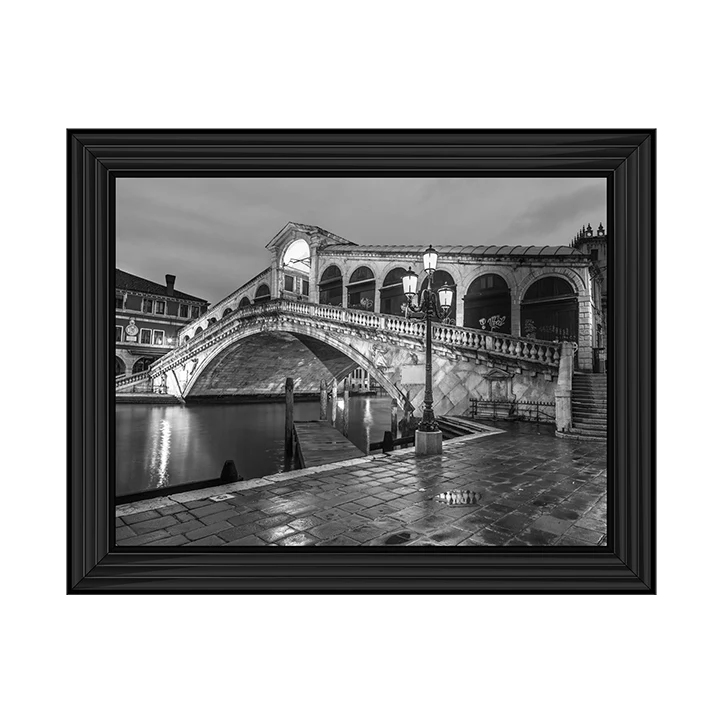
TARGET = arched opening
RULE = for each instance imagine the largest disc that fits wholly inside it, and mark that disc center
(488, 298)
(296, 264)
(549, 310)
(245, 301)
(199, 329)
(226, 312)
(330, 287)
(360, 289)
(120, 367)
(142, 364)
(186, 339)
(392, 296)
(212, 321)
(440, 279)
(262, 294)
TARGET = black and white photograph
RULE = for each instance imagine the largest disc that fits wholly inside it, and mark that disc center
(393, 361)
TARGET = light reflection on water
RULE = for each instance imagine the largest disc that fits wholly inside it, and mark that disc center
(160, 446)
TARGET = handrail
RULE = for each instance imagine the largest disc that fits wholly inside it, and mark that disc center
(526, 349)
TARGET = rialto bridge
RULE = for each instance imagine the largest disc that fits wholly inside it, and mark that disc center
(326, 306)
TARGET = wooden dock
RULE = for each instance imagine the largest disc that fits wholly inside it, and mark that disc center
(318, 443)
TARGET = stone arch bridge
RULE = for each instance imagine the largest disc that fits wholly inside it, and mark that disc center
(252, 350)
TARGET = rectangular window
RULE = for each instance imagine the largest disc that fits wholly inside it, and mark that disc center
(145, 336)
(119, 333)
(158, 337)
(194, 312)
(305, 287)
(594, 254)
(160, 307)
(118, 302)
(288, 283)
(183, 310)
(147, 306)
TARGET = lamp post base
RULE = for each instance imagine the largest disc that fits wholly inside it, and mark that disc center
(428, 442)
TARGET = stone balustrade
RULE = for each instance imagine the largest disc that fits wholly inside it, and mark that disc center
(131, 379)
(532, 350)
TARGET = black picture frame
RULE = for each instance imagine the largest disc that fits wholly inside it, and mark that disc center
(626, 158)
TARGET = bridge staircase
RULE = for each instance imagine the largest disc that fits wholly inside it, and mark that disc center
(589, 407)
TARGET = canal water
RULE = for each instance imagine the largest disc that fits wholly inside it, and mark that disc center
(166, 445)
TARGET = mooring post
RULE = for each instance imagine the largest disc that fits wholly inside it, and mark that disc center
(322, 400)
(334, 395)
(345, 410)
(394, 418)
(289, 429)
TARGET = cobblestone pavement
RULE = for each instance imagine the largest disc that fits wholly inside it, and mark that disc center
(533, 488)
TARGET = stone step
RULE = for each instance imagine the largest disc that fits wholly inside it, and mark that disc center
(584, 416)
(580, 424)
(602, 431)
(576, 434)
(597, 408)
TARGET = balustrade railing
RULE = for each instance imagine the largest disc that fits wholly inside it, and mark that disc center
(131, 379)
(533, 350)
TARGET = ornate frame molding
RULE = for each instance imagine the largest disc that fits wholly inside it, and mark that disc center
(626, 158)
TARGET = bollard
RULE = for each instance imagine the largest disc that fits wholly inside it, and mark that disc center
(387, 442)
(289, 428)
(345, 410)
(229, 473)
(334, 395)
(394, 418)
(322, 400)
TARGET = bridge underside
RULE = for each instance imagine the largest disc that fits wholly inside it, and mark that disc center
(258, 365)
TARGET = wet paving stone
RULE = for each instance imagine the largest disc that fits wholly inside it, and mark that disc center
(531, 489)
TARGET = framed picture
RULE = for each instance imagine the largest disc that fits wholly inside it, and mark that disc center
(440, 379)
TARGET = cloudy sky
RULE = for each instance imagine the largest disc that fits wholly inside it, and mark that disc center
(212, 232)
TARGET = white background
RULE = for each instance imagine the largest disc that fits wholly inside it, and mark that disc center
(372, 64)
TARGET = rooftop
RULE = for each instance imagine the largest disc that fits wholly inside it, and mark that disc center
(130, 282)
(465, 250)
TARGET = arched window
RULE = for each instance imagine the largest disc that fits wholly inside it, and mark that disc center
(440, 279)
(186, 339)
(392, 294)
(360, 289)
(549, 310)
(120, 367)
(245, 301)
(262, 294)
(142, 364)
(226, 312)
(212, 321)
(488, 299)
(199, 329)
(330, 287)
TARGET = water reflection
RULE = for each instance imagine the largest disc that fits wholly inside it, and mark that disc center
(458, 497)
(161, 446)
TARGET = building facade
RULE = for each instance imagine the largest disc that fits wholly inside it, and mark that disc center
(148, 317)
(550, 293)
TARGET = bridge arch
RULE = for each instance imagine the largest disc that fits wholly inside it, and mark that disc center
(355, 357)
(331, 286)
(227, 311)
(572, 276)
(245, 301)
(549, 309)
(199, 329)
(361, 289)
(262, 294)
(120, 367)
(488, 295)
(391, 294)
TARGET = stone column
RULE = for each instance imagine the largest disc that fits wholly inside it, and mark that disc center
(314, 270)
(515, 317)
(585, 333)
(563, 391)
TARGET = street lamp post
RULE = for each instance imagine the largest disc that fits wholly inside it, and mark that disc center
(428, 437)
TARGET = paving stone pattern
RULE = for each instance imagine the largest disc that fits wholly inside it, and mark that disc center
(535, 490)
